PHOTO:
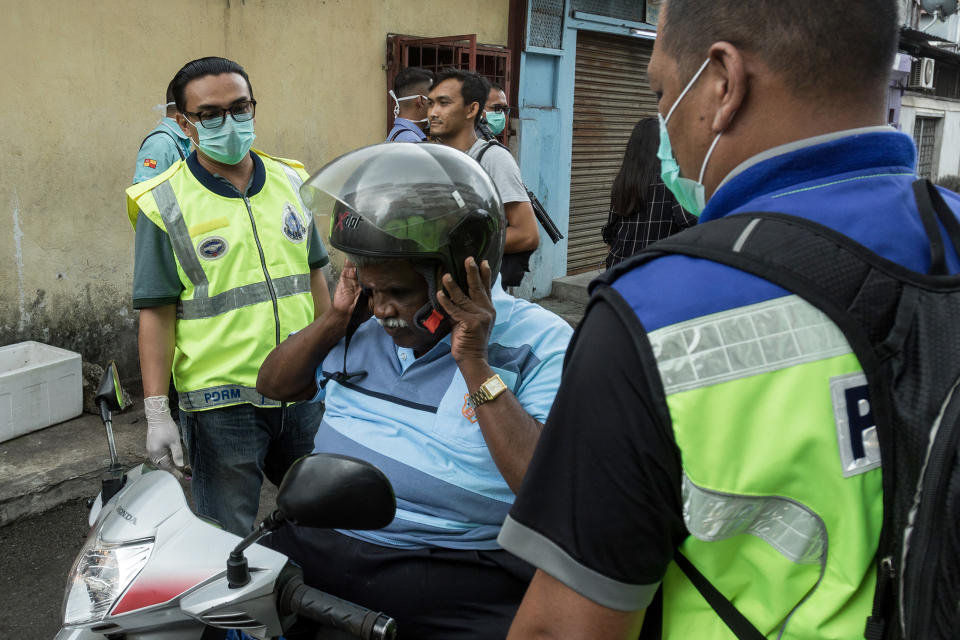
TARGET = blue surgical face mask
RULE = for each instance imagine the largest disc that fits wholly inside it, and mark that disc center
(689, 193)
(229, 143)
(496, 122)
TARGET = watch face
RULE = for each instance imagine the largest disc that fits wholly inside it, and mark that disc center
(495, 386)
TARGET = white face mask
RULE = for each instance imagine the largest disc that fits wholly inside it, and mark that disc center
(397, 101)
(162, 108)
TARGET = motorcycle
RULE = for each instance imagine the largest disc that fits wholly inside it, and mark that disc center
(152, 570)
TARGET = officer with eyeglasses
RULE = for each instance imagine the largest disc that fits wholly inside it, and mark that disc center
(228, 264)
(496, 111)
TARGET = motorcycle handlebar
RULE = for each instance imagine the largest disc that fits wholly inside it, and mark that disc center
(333, 612)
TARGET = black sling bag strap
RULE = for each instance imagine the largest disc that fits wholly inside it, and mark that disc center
(358, 316)
(740, 626)
(553, 232)
(176, 142)
(898, 324)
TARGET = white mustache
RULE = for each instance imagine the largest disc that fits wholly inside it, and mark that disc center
(393, 323)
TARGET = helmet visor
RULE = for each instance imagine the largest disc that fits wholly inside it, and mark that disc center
(399, 198)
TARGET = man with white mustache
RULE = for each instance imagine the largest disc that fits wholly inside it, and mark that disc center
(446, 392)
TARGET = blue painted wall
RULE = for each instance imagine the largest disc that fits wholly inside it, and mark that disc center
(546, 135)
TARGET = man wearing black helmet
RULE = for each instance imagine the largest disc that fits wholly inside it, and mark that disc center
(445, 388)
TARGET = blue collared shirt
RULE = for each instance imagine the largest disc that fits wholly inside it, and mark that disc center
(405, 131)
(162, 147)
(857, 182)
(410, 417)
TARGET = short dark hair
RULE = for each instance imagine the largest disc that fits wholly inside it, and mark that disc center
(820, 47)
(170, 92)
(209, 66)
(497, 86)
(473, 88)
(409, 81)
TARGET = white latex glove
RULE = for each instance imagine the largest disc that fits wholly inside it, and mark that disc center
(163, 437)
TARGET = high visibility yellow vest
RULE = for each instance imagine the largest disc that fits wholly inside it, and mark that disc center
(769, 497)
(243, 263)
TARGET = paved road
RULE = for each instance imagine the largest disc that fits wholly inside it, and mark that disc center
(35, 556)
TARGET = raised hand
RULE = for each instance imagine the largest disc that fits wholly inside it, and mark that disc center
(471, 313)
(348, 290)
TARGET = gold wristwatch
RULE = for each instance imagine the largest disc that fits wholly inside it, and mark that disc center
(490, 389)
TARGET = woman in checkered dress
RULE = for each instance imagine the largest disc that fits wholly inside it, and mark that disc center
(642, 209)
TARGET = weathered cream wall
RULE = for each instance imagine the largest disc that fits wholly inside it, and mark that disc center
(79, 81)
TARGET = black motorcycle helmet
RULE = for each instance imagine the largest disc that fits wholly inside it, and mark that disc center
(427, 203)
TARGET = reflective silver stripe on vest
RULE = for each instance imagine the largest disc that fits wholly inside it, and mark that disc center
(788, 526)
(743, 342)
(242, 297)
(180, 237)
(295, 182)
(221, 396)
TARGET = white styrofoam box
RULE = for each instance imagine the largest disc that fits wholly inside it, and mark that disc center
(40, 385)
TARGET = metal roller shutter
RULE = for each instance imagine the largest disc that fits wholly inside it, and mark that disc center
(611, 94)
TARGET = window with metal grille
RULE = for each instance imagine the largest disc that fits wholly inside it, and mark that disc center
(925, 137)
(437, 54)
(546, 24)
(946, 80)
(459, 52)
(622, 9)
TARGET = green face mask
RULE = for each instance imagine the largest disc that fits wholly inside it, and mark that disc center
(228, 143)
(690, 194)
(496, 122)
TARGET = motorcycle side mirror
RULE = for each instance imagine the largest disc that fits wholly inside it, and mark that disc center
(322, 490)
(110, 398)
(327, 490)
(110, 392)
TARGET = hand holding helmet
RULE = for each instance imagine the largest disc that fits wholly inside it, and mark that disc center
(472, 313)
(348, 290)
(425, 203)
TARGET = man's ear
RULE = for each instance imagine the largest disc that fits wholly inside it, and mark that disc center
(185, 126)
(730, 83)
(472, 110)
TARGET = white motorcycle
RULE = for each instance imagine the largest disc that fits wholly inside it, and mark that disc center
(152, 570)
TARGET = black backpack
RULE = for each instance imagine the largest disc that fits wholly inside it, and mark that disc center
(904, 328)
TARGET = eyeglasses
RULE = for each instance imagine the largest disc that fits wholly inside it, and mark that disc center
(214, 118)
(500, 108)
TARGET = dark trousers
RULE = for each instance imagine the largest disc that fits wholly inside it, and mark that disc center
(233, 448)
(432, 593)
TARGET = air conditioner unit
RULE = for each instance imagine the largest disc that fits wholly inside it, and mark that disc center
(921, 74)
(926, 73)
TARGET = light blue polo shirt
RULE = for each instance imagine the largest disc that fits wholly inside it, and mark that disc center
(409, 417)
(405, 131)
(163, 146)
